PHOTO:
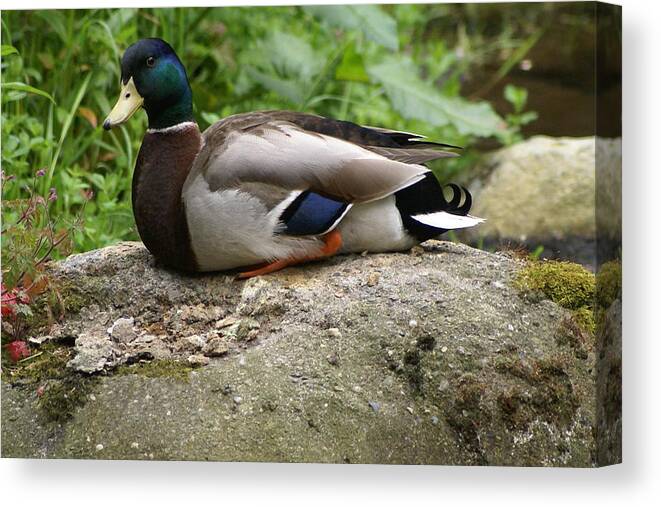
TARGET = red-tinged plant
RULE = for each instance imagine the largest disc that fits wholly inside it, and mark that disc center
(30, 238)
(10, 300)
(17, 350)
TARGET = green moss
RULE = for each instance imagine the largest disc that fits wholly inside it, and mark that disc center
(62, 398)
(73, 299)
(39, 319)
(49, 364)
(609, 283)
(584, 319)
(570, 286)
(73, 303)
(567, 284)
(176, 370)
(61, 390)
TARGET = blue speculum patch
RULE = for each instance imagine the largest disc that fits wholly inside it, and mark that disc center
(312, 213)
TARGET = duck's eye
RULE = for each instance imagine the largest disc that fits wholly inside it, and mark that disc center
(151, 61)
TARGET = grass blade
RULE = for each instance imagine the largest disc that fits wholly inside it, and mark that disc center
(22, 87)
(65, 128)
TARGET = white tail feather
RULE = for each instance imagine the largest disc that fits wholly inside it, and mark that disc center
(443, 220)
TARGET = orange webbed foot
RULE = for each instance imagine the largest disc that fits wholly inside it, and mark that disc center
(332, 243)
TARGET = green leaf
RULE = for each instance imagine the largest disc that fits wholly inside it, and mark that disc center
(22, 87)
(291, 56)
(284, 64)
(65, 128)
(352, 67)
(12, 96)
(416, 99)
(371, 20)
(516, 96)
(527, 117)
(283, 87)
(7, 50)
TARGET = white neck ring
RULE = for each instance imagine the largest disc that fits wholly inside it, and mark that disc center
(173, 128)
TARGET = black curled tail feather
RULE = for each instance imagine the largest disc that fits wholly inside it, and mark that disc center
(454, 206)
(426, 196)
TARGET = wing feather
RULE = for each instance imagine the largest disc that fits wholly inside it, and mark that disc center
(282, 154)
(415, 155)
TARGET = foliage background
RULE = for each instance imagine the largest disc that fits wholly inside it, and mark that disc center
(422, 68)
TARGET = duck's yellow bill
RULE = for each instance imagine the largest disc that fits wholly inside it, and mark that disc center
(128, 103)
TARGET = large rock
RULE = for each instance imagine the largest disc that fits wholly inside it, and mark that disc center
(423, 357)
(542, 192)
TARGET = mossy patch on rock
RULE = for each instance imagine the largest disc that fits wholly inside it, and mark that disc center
(63, 397)
(545, 392)
(572, 287)
(48, 363)
(74, 297)
(168, 368)
(60, 390)
(565, 283)
(584, 319)
(608, 283)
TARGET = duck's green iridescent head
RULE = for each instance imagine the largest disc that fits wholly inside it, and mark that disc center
(153, 77)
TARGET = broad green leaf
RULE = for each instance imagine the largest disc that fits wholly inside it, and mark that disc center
(372, 20)
(416, 99)
(22, 87)
(7, 50)
(296, 56)
(352, 67)
(283, 87)
(289, 56)
(284, 64)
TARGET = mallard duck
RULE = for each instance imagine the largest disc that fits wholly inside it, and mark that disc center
(266, 190)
